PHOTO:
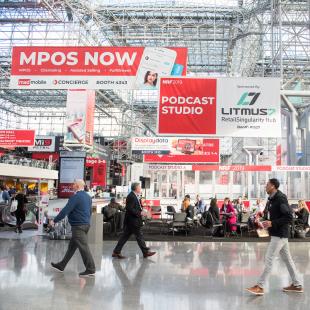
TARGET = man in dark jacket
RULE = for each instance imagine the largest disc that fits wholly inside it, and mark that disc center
(278, 215)
(78, 209)
(132, 223)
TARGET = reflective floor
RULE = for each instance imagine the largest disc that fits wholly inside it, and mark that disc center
(181, 276)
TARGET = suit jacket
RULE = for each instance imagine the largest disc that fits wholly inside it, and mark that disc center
(133, 218)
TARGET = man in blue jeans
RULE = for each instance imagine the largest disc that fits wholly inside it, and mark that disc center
(78, 209)
(278, 217)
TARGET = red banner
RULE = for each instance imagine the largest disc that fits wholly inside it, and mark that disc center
(190, 152)
(187, 106)
(65, 190)
(92, 67)
(231, 168)
(99, 171)
(16, 138)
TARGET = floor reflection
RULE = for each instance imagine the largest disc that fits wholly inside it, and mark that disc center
(193, 275)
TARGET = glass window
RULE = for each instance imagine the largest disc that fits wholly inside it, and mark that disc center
(205, 177)
(189, 177)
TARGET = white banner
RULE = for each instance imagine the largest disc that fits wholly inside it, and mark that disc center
(80, 116)
(43, 144)
(248, 107)
(167, 167)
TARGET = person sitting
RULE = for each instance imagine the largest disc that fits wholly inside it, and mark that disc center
(187, 207)
(302, 213)
(200, 205)
(214, 210)
(112, 213)
(239, 207)
(229, 217)
(254, 221)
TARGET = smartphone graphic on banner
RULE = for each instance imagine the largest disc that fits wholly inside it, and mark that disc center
(155, 62)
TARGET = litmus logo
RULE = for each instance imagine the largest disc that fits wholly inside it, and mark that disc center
(248, 98)
(24, 82)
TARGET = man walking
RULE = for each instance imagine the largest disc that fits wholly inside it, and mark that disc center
(78, 210)
(278, 217)
(132, 223)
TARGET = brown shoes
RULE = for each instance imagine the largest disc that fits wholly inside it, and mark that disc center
(118, 255)
(256, 290)
(148, 254)
(294, 289)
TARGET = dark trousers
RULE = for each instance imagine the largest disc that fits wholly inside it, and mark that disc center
(127, 232)
(79, 241)
(20, 218)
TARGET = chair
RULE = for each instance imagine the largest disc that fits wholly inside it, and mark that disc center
(243, 224)
(156, 211)
(170, 211)
(179, 222)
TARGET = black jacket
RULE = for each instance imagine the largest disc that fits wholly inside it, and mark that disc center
(302, 217)
(280, 215)
(215, 212)
(133, 218)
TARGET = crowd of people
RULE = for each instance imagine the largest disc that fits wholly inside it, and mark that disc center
(231, 212)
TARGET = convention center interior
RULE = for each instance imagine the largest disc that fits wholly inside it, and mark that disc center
(154, 154)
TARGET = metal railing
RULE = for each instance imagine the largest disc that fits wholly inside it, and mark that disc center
(28, 162)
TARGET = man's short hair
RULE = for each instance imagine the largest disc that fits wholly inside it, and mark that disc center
(275, 183)
(134, 186)
(80, 183)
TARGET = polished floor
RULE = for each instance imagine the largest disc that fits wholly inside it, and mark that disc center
(181, 276)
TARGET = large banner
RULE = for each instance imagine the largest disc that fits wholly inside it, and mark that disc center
(248, 107)
(16, 138)
(187, 106)
(80, 116)
(91, 67)
(225, 107)
(43, 144)
(174, 150)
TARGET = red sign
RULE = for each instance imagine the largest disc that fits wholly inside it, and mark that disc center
(16, 138)
(65, 190)
(191, 152)
(99, 171)
(92, 67)
(230, 168)
(187, 106)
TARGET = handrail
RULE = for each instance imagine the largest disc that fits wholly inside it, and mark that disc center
(28, 162)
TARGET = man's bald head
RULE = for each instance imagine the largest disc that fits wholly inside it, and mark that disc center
(79, 184)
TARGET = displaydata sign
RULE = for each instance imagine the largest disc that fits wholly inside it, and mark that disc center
(176, 149)
(91, 67)
(225, 107)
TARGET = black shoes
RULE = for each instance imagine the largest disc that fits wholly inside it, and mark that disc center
(57, 267)
(118, 255)
(87, 274)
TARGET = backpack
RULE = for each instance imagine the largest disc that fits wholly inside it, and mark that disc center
(207, 219)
